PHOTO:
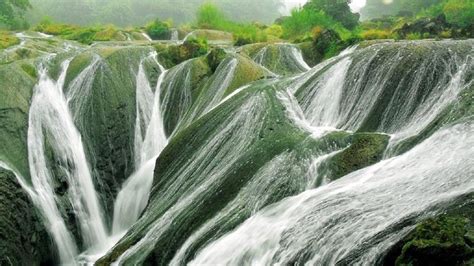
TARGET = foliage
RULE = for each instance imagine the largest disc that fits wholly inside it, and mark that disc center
(303, 20)
(459, 12)
(338, 10)
(209, 16)
(7, 40)
(158, 30)
(11, 13)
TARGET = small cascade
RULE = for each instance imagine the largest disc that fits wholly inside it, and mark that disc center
(174, 35)
(150, 140)
(51, 123)
(146, 36)
(281, 59)
(176, 95)
(215, 90)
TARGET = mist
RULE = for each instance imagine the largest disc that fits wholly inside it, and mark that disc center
(139, 12)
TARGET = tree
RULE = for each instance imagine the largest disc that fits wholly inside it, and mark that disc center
(11, 13)
(339, 10)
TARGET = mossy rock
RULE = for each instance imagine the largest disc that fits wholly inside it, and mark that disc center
(173, 55)
(310, 55)
(105, 113)
(24, 239)
(365, 149)
(212, 35)
(444, 240)
(16, 86)
(229, 151)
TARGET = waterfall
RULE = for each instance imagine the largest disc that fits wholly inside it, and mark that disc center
(133, 197)
(281, 59)
(174, 35)
(353, 220)
(51, 122)
(372, 89)
(147, 37)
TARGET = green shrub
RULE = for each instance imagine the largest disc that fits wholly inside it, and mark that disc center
(158, 30)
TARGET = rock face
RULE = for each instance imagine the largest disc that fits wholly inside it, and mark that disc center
(16, 87)
(104, 108)
(447, 239)
(365, 149)
(238, 150)
(23, 237)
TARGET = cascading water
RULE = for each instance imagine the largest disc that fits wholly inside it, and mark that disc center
(353, 220)
(246, 176)
(51, 122)
(356, 219)
(133, 197)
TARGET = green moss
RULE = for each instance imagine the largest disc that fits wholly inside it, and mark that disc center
(7, 39)
(108, 34)
(215, 57)
(246, 72)
(310, 55)
(30, 70)
(366, 149)
(176, 54)
(440, 241)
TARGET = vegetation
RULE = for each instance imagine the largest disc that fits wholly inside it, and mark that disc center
(7, 40)
(338, 10)
(420, 19)
(12, 13)
(159, 30)
(209, 16)
(175, 54)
